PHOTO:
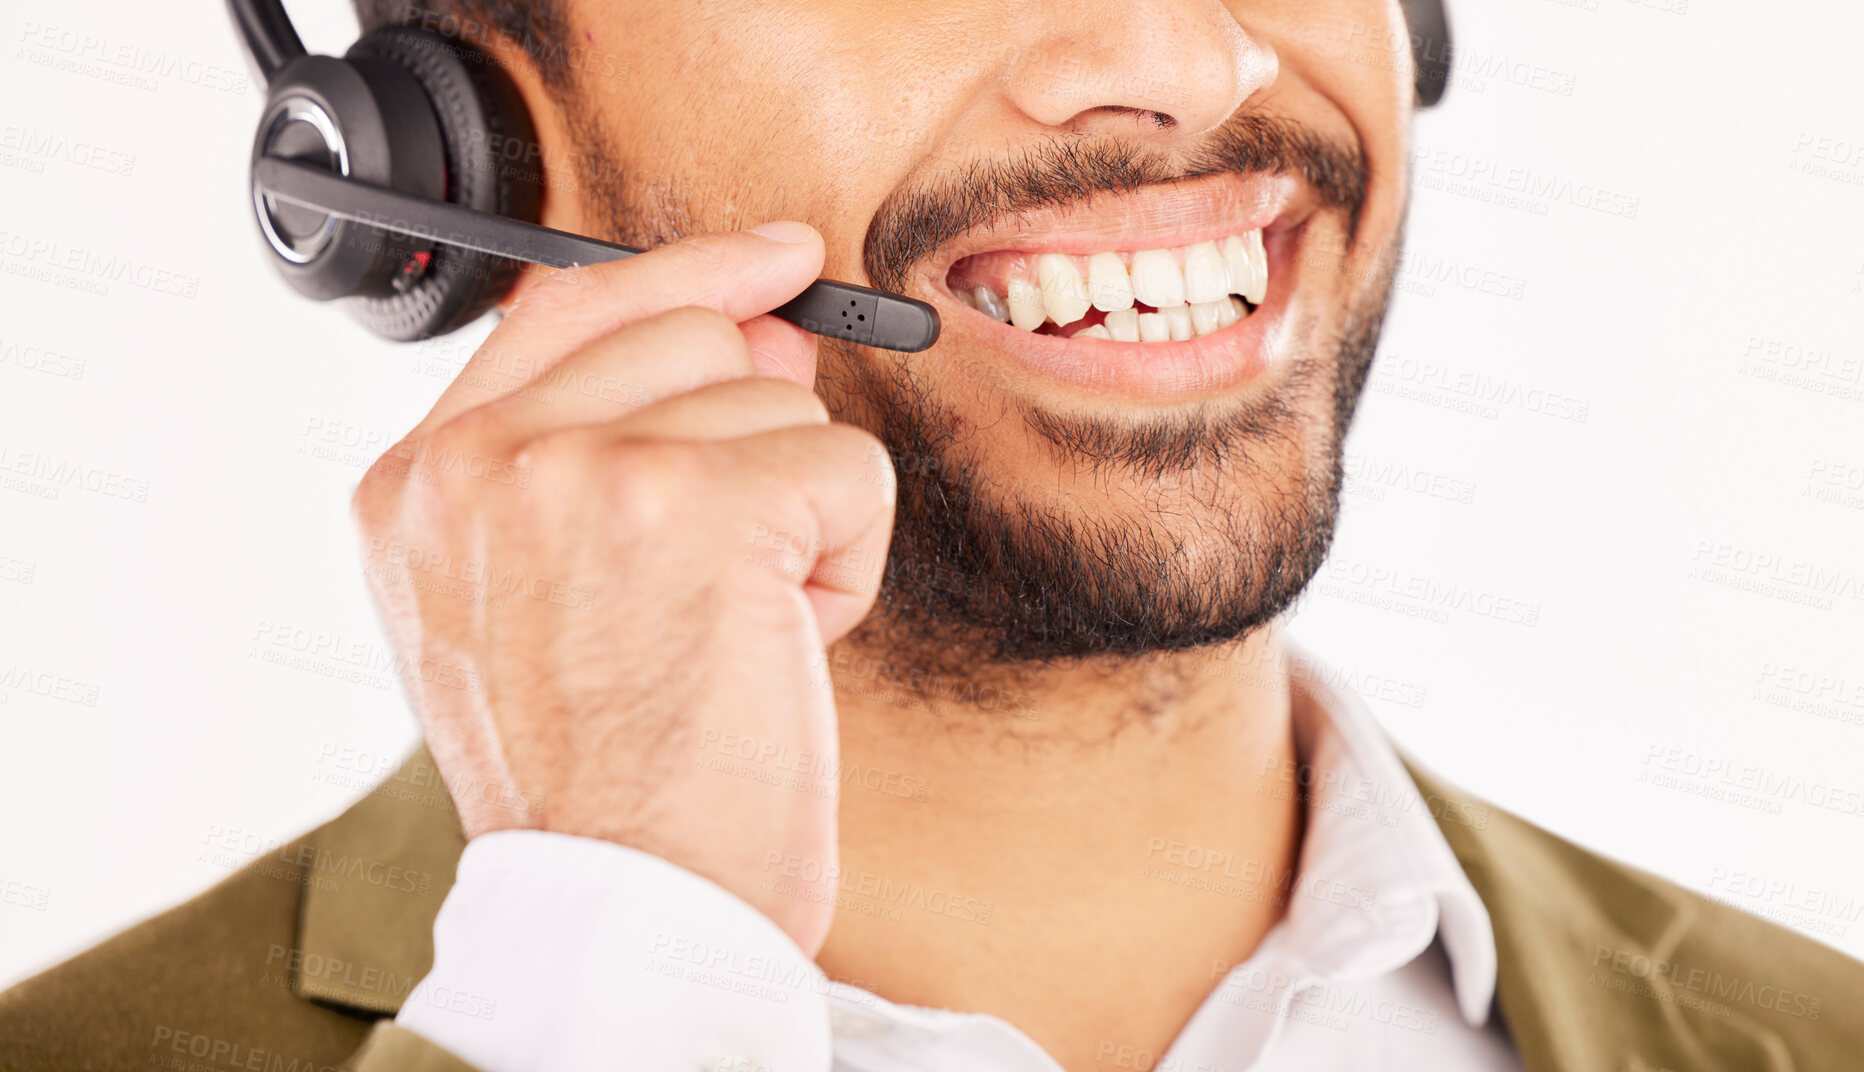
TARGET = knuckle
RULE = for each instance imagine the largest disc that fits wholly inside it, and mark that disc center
(707, 254)
(373, 503)
(650, 483)
(443, 458)
(867, 459)
(555, 290)
(561, 454)
(468, 430)
(707, 331)
(787, 396)
(852, 441)
(368, 503)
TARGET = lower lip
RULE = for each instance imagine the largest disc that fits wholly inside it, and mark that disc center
(1158, 371)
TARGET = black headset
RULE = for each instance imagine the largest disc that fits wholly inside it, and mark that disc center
(405, 109)
(384, 177)
(1429, 26)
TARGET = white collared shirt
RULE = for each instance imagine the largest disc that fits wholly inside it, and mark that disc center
(604, 957)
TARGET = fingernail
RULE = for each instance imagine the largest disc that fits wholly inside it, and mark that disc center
(785, 231)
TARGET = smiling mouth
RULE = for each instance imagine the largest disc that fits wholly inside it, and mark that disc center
(1152, 295)
(1148, 295)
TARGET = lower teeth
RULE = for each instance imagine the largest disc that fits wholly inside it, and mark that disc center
(1142, 323)
(1146, 324)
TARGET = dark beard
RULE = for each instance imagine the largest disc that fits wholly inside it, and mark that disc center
(979, 579)
(1236, 505)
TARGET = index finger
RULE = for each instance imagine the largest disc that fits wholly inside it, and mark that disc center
(739, 273)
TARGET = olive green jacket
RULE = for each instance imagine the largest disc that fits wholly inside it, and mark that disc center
(299, 961)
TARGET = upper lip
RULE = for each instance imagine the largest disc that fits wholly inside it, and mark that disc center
(1161, 216)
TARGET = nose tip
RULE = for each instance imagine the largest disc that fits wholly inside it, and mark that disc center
(1180, 67)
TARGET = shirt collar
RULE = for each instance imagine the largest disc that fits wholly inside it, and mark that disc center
(1375, 883)
(1369, 815)
(1377, 878)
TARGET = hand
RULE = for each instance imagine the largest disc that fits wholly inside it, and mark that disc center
(632, 524)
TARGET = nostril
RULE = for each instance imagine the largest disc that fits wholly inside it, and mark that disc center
(1160, 120)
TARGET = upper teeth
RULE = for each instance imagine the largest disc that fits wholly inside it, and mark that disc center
(1190, 286)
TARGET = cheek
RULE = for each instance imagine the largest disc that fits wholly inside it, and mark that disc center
(808, 109)
(1354, 55)
(716, 110)
(1346, 67)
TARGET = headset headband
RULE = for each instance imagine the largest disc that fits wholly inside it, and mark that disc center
(267, 33)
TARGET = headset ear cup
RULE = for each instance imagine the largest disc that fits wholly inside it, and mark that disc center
(352, 118)
(492, 165)
(1429, 26)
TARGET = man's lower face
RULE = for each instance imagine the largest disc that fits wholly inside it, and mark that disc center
(1128, 438)
(1030, 531)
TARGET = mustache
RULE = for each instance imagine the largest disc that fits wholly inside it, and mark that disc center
(915, 221)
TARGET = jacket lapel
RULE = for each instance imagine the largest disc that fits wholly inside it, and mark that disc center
(1570, 929)
(376, 876)
(1576, 937)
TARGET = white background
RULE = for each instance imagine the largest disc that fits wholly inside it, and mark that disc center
(1634, 422)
